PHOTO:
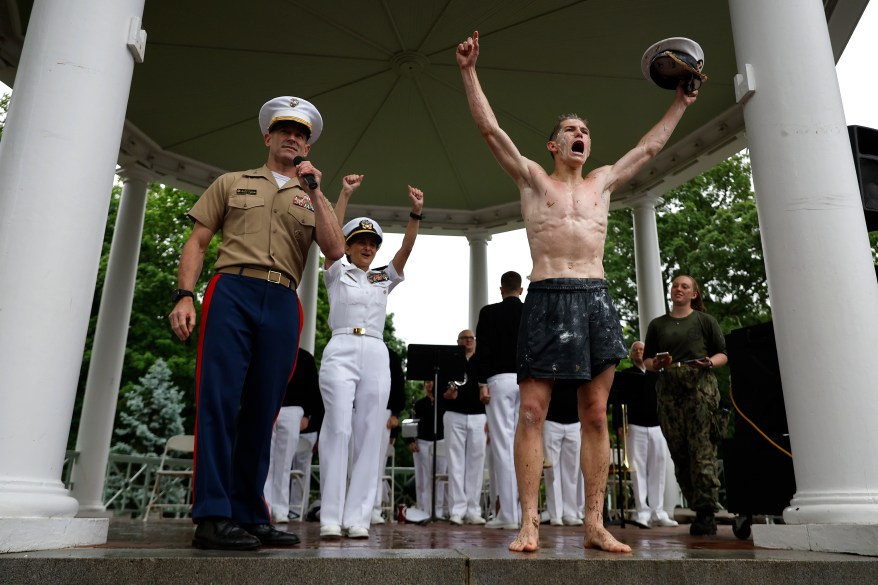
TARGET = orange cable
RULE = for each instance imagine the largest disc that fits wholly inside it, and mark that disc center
(752, 424)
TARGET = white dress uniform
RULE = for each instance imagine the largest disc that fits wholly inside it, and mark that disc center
(423, 460)
(563, 476)
(502, 413)
(302, 462)
(284, 442)
(648, 451)
(355, 385)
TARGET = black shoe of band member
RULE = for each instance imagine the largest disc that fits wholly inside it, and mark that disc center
(268, 535)
(705, 523)
(223, 534)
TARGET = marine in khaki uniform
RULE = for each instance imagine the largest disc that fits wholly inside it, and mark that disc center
(250, 320)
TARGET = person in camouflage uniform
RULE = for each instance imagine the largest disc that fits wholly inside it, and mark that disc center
(684, 346)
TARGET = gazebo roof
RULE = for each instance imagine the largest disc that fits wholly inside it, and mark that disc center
(384, 77)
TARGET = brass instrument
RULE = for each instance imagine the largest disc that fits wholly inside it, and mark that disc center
(625, 466)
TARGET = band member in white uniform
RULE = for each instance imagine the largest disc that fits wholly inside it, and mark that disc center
(562, 441)
(355, 371)
(298, 406)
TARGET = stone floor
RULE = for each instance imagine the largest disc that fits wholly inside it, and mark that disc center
(160, 552)
(177, 534)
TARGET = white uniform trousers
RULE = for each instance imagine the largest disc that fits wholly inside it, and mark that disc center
(355, 385)
(284, 441)
(465, 439)
(502, 413)
(492, 504)
(647, 453)
(381, 488)
(302, 462)
(561, 445)
(424, 477)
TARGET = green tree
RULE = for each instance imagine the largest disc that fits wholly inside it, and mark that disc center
(150, 412)
(4, 107)
(165, 229)
(707, 228)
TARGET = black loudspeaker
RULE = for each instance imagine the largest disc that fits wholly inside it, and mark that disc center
(864, 144)
(759, 476)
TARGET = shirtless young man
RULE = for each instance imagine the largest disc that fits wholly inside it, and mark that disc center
(566, 220)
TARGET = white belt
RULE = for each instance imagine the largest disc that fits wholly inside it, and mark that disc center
(357, 331)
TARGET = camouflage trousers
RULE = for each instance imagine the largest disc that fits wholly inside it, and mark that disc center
(688, 405)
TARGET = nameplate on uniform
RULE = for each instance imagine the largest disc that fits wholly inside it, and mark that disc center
(303, 201)
(376, 277)
(246, 191)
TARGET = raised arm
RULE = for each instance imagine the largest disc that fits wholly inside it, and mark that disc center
(416, 196)
(349, 184)
(501, 145)
(326, 228)
(652, 142)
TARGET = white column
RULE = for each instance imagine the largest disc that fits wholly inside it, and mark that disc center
(57, 163)
(651, 304)
(647, 265)
(478, 276)
(108, 353)
(821, 280)
(307, 292)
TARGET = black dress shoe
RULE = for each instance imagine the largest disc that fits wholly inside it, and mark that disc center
(271, 536)
(223, 534)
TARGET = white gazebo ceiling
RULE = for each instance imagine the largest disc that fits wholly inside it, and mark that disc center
(384, 76)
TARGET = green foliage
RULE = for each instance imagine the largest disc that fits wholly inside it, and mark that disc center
(4, 107)
(708, 229)
(165, 229)
(149, 413)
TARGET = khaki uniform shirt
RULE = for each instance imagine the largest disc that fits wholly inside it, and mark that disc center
(262, 226)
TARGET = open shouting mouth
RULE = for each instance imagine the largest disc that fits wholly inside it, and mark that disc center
(578, 146)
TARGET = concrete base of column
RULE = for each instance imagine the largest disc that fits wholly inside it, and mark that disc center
(26, 534)
(94, 512)
(860, 539)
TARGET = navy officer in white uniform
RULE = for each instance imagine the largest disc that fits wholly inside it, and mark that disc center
(355, 371)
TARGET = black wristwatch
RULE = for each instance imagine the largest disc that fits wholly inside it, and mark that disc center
(180, 293)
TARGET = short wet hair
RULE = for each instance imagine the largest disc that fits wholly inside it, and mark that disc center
(561, 118)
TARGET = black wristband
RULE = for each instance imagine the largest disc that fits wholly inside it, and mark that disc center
(414, 215)
(181, 293)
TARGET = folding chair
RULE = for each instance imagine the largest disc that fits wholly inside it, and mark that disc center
(178, 472)
(389, 482)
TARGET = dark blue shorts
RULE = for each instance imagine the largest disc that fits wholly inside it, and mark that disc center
(569, 330)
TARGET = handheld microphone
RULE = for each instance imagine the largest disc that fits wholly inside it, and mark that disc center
(309, 178)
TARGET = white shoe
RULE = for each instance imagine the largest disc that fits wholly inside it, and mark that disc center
(556, 522)
(330, 531)
(568, 521)
(455, 519)
(640, 521)
(358, 532)
(279, 519)
(473, 519)
(377, 518)
(667, 522)
(499, 524)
